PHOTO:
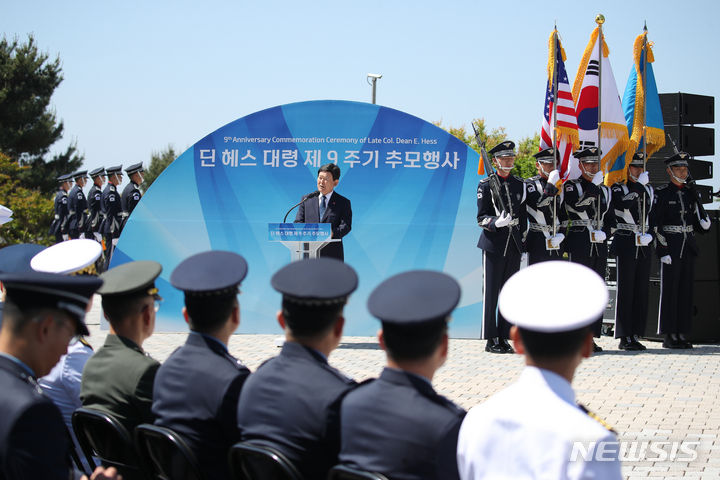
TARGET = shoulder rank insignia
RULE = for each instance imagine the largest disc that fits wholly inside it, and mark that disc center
(596, 418)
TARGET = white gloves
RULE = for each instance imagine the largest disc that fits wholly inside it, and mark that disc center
(503, 220)
(598, 178)
(553, 177)
(98, 237)
(524, 258)
(645, 239)
(667, 260)
(65, 237)
(114, 241)
(556, 240)
(598, 236)
(705, 223)
(644, 178)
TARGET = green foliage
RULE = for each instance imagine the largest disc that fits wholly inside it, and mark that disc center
(32, 212)
(158, 162)
(524, 163)
(28, 126)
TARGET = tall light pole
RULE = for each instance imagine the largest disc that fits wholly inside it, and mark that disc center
(372, 79)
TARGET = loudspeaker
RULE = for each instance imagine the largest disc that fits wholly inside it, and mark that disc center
(705, 313)
(697, 141)
(679, 108)
(699, 169)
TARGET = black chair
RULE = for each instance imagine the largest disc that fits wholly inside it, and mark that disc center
(165, 455)
(343, 472)
(74, 454)
(259, 460)
(101, 436)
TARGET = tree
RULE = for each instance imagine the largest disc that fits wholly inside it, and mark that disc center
(524, 163)
(28, 126)
(32, 212)
(158, 162)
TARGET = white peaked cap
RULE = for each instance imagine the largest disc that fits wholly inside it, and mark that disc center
(553, 297)
(67, 257)
(5, 214)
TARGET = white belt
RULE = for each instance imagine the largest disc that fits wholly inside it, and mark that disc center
(628, 226)
(536, 227)
(677, 228)
(580, 223)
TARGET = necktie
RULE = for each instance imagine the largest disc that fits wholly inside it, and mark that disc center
(323, 205)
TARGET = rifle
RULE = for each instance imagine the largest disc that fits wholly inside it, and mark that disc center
(691, 183)
(494, 184)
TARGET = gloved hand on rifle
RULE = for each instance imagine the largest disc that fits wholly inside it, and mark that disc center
(503, 220)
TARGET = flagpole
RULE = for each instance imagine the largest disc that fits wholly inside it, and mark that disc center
(645, 102)
(554, 128)
(599, 19)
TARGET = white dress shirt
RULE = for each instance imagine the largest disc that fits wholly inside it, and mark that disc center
(529, 430)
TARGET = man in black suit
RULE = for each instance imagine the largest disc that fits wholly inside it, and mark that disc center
(380, 420)
(197, 389)
(328, 207)
(292, 400)
(42, 313)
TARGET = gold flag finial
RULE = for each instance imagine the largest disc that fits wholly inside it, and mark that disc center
(600, 19)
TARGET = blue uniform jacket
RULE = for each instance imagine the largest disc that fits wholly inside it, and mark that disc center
(292, 400)
(626, 205)
(59, 225)
(111, 211)
(94, 198)
(399, 426)
(675, 208)
(338, 214)
(196, 394)
(130, 197)
(77, 212)
(497, 240)
(33, 440)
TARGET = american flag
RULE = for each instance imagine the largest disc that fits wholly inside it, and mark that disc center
(567, 129)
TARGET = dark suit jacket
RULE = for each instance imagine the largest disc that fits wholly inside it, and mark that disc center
(118, 379)
(196, 395)
(33, 439)
(398, 426)
(292, 400)
(338, 213)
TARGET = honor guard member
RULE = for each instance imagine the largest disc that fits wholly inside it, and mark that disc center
(77, 207)
(632, 253)
(118, 379)
(676, 214)
(59, 225)
(111, 212)
(543, 239)
(293, 400)
(197, 389)
(500, 240)
(131, 193)
(381, 430)
(94, 198)
(42, 313)
(529, 429)
(586, 203)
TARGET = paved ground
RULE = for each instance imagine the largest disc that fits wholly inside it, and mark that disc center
(665, 404)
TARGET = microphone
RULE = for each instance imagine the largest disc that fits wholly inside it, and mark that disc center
(314, 194)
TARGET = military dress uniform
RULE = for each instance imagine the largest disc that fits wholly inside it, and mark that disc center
(197, 388)
(530, 429)
(59, 225)
(131, 194)
(675, 218)
(630, 247)
(586, 207)
(501, 245)
(293, 399)
(94, 199)
(381, 430)
(112, 215)
(77, 209)
(541, 200)
(118, 379)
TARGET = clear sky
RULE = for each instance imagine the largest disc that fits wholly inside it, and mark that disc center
(140, 75)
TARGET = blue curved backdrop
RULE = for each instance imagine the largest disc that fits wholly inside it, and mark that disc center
(411, 184)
